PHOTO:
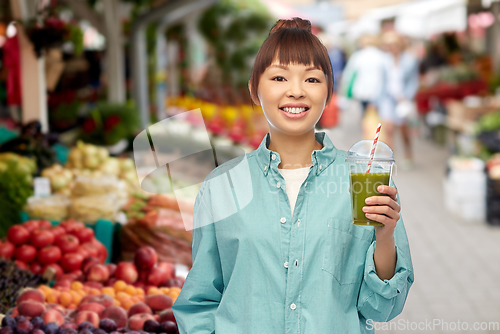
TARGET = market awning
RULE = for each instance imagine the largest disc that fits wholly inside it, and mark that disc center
(425, 18)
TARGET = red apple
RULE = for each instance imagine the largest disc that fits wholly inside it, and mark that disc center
(145, 258)
(111, 268)
(98, 273)
(127, 272)
(157, 276)
(169, 268)
(89, 262)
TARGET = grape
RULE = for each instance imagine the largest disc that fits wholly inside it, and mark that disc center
(168, 327)
(51, 328)
(107, 325)
(37, 331)
(85, 325)
(99, 331)
(8, 321)
(38, 323)
(151, 326)
(7, 330)
(85, 331)
(23, 327)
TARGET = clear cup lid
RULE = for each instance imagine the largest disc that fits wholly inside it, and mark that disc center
(362, 149)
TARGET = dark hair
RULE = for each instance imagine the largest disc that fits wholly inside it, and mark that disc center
(291, 41)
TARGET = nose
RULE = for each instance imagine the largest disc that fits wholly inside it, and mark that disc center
(295, 90)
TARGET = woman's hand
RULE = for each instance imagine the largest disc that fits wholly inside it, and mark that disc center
(383, 209)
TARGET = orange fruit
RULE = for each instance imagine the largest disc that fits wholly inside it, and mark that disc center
(108, 291)
(52, 298)
(130, 290)
(94, 292)
(140, 291)
(165, 290)
(65, 299)
(82, 292)
(117, 302)
(127, 304)
(72, 307)
(135, 299)
(76, 285)
(154, 291)
(120, 286)
(77, 298)
(122, 296)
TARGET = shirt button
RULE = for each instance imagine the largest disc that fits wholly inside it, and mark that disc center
(296, 263)
(320, 167)
(265, 168)
(298, 222)
(283, 220)
(286, 264)
(278, 184)
(273, 156)
(293, 306)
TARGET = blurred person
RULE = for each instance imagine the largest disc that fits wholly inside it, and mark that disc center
(363, 73)
(290, 259)
(401, 82)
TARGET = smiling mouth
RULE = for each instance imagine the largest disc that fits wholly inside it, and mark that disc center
(295, 110)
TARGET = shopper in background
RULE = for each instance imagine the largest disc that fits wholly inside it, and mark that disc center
(363, 73)
(400, 84)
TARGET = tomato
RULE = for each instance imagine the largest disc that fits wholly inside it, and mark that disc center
(41, 238)
(102, 251)
(45, 225)
(57, 231)
(84, 235)
(21, 265)
(82, 250)
(18, 235)
(67, 243)
(51, 254)
(57, 269)
(71, 225)
(7, 250)
(92, 249)
(32, 225)
(71, 262)
(25, 253)
(36, 268)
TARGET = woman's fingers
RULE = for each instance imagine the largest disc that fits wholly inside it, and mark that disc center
(378, 210)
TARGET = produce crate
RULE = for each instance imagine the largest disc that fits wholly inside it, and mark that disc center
(105, 231)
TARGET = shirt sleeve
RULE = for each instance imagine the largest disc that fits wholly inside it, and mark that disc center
(195, 307)
(382, 300)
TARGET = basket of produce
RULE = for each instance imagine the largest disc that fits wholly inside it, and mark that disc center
(158, 221)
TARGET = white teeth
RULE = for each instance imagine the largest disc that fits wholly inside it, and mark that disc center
(294, 110)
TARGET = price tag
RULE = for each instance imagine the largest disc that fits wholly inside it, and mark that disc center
(42, 187)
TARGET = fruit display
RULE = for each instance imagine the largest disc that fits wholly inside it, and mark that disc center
(37, 245)
(157, 222)
(130, 297)
(12, 279)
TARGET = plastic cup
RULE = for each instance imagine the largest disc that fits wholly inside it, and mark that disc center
(363, 184)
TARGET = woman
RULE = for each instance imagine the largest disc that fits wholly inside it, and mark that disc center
(273, 255)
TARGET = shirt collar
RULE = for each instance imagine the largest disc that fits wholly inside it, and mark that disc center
(321, 159)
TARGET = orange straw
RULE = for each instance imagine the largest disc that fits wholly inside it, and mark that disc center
(374, 145)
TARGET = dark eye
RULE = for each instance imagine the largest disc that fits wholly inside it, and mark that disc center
(278, 78)
(313, 80)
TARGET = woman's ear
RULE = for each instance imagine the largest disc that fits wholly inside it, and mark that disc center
(255, 99)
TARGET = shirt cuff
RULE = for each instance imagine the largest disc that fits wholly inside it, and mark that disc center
(386, 288)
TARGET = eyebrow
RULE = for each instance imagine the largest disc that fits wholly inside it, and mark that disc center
(286, 67)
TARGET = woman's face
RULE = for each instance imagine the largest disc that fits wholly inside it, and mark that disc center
(292, 88)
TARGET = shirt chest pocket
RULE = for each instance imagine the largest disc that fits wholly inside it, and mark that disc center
(345, 250)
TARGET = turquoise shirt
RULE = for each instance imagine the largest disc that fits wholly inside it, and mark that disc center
(258, 270)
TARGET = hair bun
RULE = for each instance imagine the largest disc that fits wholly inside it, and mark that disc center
(296, 22)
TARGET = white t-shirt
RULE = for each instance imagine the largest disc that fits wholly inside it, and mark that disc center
(293, 180)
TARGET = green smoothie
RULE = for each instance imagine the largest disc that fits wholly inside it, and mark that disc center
(364, 185)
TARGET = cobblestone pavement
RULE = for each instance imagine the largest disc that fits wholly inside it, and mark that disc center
(456, 263)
